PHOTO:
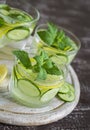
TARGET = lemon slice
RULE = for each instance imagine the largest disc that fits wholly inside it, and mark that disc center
(3, 72)
(52, 86)
(52, 50)
(33, 61)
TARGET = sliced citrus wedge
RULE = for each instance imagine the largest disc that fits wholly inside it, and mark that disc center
(33, 61)
(3, 72)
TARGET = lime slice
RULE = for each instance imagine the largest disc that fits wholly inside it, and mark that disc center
(3, 72)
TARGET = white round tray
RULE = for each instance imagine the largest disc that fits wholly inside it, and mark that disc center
(13, 113)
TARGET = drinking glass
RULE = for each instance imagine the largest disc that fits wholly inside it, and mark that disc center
(59, 56)
(15, 31)
(26, 89)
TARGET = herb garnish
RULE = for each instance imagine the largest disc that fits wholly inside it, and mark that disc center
(23, 57)
(54, 37)
(44, 65)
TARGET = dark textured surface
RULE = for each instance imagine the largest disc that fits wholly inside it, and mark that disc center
(75, 16)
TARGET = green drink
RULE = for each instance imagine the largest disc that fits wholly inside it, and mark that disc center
(58, 42)
(37, 81)
(16, 27)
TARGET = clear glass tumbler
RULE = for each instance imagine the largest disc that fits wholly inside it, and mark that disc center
(60, 56)
(30, 91)
(17, 22)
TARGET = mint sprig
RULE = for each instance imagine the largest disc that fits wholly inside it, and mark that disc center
(48, 36)
(23, 57)
(55, 37)
(63, 42)
(43, 66)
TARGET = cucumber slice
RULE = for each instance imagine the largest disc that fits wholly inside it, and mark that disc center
(71, 88)
(26, 73)
(21, 70)
(44, 90)
(17, 75)
(64, 88)
(14, 73)
(50, 94)
(70, 96)
(59, 59)
(28, 88)
(18, 34)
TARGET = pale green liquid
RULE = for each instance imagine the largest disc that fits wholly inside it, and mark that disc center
(7, 45)
(22, 96)
(70, 55)
(19, 96)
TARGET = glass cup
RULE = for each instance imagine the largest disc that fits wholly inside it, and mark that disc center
(17, 22)
(60, 56)
(26, 89)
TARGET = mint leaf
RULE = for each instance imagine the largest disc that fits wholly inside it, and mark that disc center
(52, 30)
(59, 42)
(44, 55)
(42, 74)
(48, 64)
(1, 21)
(54, 71)
(36, 68)
(41, 57)
(70, 44)
(63, 42)
(49, 34)
(45, 37)
(39, 60)
(23, 57)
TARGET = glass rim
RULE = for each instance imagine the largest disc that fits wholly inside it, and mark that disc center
(31, 7)
(66, 32)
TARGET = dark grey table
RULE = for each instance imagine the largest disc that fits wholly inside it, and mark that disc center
(75, 16)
